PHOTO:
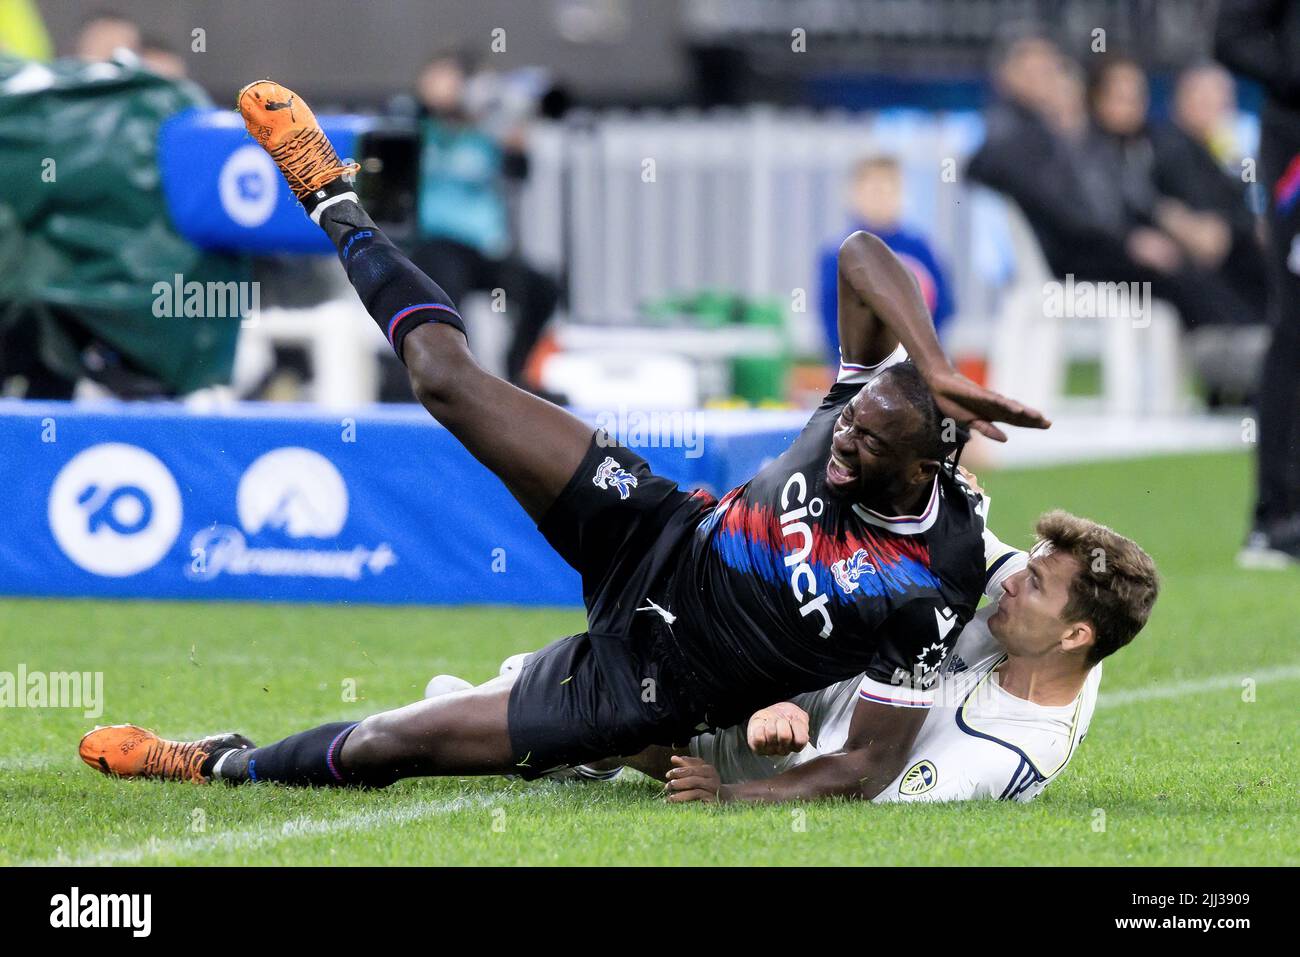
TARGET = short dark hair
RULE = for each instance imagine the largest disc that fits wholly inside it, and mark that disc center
(926, 437)
(1116, 584)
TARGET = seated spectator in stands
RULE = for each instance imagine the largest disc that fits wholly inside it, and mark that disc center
(1202, 204)
(104, 32)
(1123, 150)
(1025, 156)
(1120, 157)
(1070, 192)
(463, 209)
(876, 205)
(1068, 114)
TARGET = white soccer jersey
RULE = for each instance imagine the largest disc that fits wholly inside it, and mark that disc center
(978, 741)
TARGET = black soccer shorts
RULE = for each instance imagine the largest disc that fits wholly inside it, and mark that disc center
(621, 685)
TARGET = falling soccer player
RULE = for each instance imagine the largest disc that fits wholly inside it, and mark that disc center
(1013, 701)
(858, 551)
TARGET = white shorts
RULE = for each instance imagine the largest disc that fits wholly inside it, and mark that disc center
(829, 713)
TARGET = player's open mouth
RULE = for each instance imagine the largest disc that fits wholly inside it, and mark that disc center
(838, 472)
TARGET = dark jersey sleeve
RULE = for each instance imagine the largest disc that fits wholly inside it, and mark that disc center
(911, 644)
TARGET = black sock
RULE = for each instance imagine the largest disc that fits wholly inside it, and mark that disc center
(308, 759)
(395, 292)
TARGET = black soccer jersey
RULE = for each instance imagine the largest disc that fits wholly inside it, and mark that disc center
(785, 588)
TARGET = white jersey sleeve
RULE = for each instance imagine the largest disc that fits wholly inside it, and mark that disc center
(861, 375)
(1001, 561)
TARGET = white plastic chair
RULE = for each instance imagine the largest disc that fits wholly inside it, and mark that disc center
(1143, 368)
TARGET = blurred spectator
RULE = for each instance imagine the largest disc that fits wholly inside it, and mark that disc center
(1120, 150)
(104, 32)
(1261, 39)
(1068, 112)
(876, 205)
(463, 207)
(1085, 205)
(1129, 180)
(1201, 204)
(1024, 157)
(159, 56)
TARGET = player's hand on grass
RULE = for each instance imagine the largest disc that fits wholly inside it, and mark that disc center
(978, 408)
(692, 779)
(778, 729)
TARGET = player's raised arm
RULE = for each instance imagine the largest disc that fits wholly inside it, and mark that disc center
(880, 305)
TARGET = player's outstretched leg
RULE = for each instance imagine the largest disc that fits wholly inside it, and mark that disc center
(462, 733)
(534, 447)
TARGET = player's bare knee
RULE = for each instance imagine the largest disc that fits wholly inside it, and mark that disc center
(375, 742)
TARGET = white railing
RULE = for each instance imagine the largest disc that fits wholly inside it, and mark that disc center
(647, 205)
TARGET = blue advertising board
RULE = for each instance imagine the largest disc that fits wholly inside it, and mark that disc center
(224, 192)
(276, 503)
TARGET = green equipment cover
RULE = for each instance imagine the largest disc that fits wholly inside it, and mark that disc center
(84, 231)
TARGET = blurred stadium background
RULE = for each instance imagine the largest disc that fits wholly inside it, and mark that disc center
(636, 203)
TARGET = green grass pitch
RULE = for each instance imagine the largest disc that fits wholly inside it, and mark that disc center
(1177, 769)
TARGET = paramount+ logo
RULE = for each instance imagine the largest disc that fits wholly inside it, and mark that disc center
(75, 910)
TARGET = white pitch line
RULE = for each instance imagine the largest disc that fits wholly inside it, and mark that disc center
(301, 826)
(29, 762)
(1178, 689)
(371, 819)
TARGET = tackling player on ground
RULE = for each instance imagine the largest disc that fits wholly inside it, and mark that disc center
(857, 551)
(1013, 703)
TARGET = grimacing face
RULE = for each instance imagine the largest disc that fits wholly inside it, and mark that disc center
(870, 459)
(1029, 620)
